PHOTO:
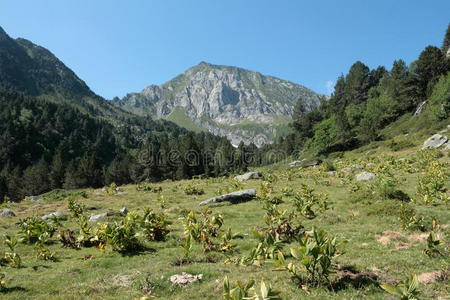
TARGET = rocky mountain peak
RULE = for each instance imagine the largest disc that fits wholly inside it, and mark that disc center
(241, 104)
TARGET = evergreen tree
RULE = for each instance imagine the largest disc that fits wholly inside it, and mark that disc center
(446, 42)
(35, 179)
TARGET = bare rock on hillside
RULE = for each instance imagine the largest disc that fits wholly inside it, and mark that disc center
(435, 141)
(248, 176)
(235, 197)
(7, 213)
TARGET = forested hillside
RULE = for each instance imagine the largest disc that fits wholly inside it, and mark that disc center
(365, 101)
(56, 133)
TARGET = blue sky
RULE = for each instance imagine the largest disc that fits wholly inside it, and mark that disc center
(122, 46)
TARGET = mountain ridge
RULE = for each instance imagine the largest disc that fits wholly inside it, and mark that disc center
(220, 98)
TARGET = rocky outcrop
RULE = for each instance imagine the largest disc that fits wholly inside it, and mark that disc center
(235, 197)
(248, 176)
(220, 98)
(435, 142)
(184, 279)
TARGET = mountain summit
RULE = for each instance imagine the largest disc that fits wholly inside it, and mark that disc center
(240, 104)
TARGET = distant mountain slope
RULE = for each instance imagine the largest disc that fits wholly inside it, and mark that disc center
(240, 104)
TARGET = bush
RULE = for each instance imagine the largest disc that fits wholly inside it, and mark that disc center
(35, 229)
(315, 255)
(155, 226)
(193, 190)
(400, 145)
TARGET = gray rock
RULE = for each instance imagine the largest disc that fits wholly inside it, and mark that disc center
(435, 142)
(295, 163)
(248, 176)
(56, 214)
(123, 211)
(97, 217)
(7, 213)
(184, 279)
(356, 167)
(235, 197)
(365, 176)
(331, 173)
(33, 198)
(370, 165)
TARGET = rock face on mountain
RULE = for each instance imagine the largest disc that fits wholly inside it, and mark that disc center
(240, 104)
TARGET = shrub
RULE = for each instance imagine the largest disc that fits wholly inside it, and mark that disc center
(148, 187)
(122, 236)
(12, 258)
(308, 203)
(76, 208)
(315, 255)
(35, 229)
(400, 145)
(247, 291)
(155, 226)
(193, 190)
(432, 181)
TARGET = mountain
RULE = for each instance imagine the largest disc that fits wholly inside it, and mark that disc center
(240, 104)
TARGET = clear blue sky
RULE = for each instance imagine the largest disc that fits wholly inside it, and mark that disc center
(122, 46)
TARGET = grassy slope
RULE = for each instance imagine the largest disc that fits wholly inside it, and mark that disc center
(179, 117)
(354, 222)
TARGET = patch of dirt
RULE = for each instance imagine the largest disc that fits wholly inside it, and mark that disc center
(430, 277)
(418, 237)
(401, 245)
(122, 280)
(386, 237)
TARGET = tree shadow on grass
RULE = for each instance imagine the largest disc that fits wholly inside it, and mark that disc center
(12, 289)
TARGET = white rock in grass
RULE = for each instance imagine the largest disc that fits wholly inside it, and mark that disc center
(435, 141)
(365, 176)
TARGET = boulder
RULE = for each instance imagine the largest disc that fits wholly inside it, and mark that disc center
(365, 176)
(184, 279)
(7, 213)
(56, 214)
(435, 141)
(94, 218)
(235, 197)
(248, 176)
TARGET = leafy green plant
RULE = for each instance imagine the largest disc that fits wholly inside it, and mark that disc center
(433, 244)
(76, 208)
(410, 220)
(34, 229)
(314, 256)
(112, 189)
(44, 253)
(161, 201)
(242, 291)
(3, 283)
(155, 226)
(432, 181)
(148, 187)
(407, 290)
(122, 236)
(308, 203)
(12, 258)
(191, 189)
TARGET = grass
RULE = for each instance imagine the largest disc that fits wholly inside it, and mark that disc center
(355, 221)
(179, 117)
